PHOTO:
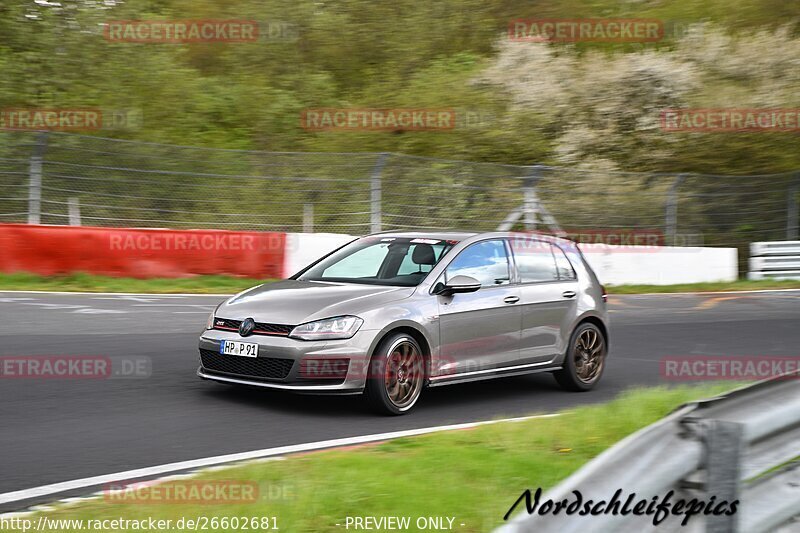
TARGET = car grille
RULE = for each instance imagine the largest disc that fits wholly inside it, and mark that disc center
(262, 328)
(256, 367)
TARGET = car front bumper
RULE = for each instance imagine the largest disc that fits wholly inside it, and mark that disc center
(303, 356)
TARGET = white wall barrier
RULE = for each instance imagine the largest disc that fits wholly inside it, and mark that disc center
(303, 249)
(614, 265)
(661, 265)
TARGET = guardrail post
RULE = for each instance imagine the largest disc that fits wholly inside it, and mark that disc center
(792, 209)
(375, 193)
(35, 179)
(723, 451)
(671, 211)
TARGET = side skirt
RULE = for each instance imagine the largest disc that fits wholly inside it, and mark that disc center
(480, 375)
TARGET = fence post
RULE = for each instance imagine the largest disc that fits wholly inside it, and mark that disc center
(723, 452)
(530, 202)
(792, 209)
(35, 179)
(375, 193)
(74, 211)
(671, 211)
(308, 218)
(532, 211)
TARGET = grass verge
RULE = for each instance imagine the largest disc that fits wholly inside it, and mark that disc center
(738, 285)
(474, 475)
(91, 283)
(231, 285)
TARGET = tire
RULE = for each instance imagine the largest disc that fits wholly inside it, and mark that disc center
(585, 359)
(396, 375)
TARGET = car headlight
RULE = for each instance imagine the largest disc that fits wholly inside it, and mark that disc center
(340, 327)
(210, 321)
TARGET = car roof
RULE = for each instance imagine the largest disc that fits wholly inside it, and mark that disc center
(463, 235)
(441, 235)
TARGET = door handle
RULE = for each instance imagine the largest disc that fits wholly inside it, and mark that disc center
(511, 299)
(568, 294)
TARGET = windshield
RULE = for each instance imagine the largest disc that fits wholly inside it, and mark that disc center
(400, 261)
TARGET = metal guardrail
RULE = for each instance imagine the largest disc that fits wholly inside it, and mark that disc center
(741, 446)
(775, 260)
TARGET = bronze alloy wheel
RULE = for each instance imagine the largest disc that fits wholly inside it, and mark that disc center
(589, 355)
(398, 375)
(403, 377)
(585, 359)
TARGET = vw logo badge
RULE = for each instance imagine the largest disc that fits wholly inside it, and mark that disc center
(246, 327)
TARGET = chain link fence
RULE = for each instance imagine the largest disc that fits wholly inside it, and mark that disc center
(60, 178)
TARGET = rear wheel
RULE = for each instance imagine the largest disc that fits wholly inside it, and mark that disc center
(396, 375)
(585, 360)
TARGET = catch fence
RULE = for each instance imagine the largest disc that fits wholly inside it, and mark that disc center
(61, 178)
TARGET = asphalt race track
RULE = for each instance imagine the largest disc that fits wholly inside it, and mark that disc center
(57, 430)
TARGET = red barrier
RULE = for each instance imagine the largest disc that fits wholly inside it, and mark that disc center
(140, 253)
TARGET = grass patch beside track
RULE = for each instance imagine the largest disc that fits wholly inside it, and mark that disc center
(230, 285)
(739, 285)
(473, 475)
(90, 283)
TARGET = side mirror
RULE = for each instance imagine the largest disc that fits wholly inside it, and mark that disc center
(458, 284)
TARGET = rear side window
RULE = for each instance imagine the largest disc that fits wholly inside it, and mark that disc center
(564, 267)
(535, 260)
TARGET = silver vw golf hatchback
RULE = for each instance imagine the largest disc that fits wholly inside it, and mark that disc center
(392, 313)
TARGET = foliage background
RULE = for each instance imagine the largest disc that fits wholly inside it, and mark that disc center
(592, 105)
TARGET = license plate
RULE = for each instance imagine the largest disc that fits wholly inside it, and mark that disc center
(243, 349)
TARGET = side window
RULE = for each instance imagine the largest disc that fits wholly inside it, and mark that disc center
(565, 270)
(485, 261)
(535, 260)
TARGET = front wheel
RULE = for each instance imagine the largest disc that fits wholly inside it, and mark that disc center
(396, 375)
(585, 359)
